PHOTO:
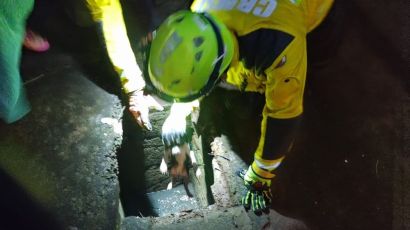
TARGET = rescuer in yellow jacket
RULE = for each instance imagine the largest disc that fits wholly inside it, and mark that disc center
(109, 14)
(257, 46)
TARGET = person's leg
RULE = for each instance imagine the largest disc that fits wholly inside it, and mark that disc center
(13, 102)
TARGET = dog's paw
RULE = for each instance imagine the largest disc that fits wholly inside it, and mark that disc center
(163, 168)
(198, 173)
(169, 186)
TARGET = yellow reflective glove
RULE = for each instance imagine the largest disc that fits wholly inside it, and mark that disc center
(258, 195)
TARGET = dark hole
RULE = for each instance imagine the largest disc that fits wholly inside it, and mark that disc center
(179, 19)
(198, 56)
(175, 82)
(198, 41)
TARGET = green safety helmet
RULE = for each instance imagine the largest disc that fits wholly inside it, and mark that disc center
(188, 54)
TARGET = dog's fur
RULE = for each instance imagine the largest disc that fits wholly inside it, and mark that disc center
(176, 162)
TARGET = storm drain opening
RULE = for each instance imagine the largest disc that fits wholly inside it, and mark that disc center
(157, 195)
(170, 197)
(216, 192)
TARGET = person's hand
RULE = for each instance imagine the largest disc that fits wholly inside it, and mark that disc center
(139, 106)
(258, 194)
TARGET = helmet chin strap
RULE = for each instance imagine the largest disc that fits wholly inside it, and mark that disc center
(214, 76)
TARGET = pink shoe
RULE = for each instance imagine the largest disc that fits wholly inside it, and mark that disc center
(35, 42)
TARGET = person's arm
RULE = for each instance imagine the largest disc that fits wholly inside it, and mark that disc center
(109, 14)
(285, 80)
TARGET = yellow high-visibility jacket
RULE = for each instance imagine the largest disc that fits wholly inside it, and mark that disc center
(109, 13)
(270, 57)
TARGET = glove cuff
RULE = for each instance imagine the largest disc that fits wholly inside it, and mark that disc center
(262, 173)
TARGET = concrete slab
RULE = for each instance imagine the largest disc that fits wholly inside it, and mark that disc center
(233, 218)
(213, 219)
(63, 153)
(229, 188)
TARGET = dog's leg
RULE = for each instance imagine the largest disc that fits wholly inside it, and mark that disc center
(171, 183)
(186, 182)
(194, 163)
(163, 168)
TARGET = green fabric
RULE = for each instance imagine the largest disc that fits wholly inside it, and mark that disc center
(13, 102)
